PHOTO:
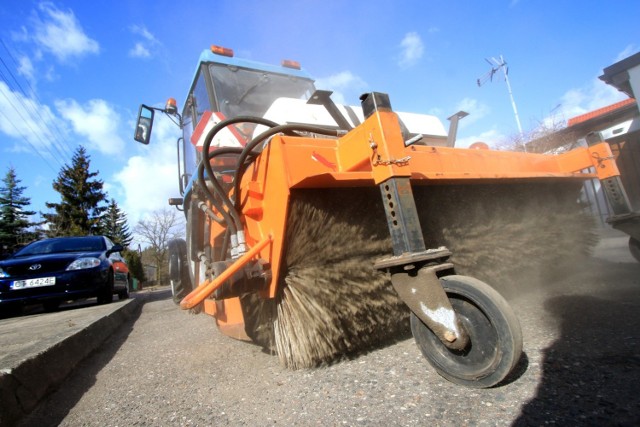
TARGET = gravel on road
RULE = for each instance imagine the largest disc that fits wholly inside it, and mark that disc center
(581, 366)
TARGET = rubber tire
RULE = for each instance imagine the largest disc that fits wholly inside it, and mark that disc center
(634, 248)
(178, 270)
(106, 293)
(125, 293)
(10, 310)
(495, 345)
(50, 306)
(192, 266)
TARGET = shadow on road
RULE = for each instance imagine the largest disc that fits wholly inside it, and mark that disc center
(54, 408)
(32, 309)
(158, 295)
(590, 375)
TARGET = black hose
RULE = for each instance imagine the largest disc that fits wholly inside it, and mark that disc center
(231, 216)
(226, 218)
(248, 149)
(205, 149)
(219, 191)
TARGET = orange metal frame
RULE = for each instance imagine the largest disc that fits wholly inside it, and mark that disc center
(368, 155)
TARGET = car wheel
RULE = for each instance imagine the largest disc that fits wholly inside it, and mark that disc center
(124, 294)
(10, 310)
(51, 305)
(106, 294)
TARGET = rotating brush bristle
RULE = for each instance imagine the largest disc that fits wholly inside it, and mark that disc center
(333, 301)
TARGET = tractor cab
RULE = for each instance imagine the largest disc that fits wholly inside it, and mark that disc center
(225, 87)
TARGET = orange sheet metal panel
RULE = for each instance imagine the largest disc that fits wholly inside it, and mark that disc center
(290, 162)
(377, 146)
(265, 203)
(604, 161)
(228, 315)
(310, 166)
(435, 163)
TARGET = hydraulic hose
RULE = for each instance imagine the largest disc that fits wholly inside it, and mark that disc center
(205, 148)
(219, 198)
(226, 218)
(248, 149)
(214, 182)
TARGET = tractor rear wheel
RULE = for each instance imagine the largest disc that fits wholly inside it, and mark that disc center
(634, 248)
(495, 337)
(179, 270)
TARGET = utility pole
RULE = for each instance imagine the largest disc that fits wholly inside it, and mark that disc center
(497, 65)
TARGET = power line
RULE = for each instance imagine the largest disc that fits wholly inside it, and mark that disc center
(54, 135)
(29, 120)
(69, 146)
(28, 124)
(29, 142)
(32, 112)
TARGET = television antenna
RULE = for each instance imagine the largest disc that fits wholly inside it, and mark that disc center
(497, 65)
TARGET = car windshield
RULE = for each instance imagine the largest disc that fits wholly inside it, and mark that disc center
(65, 244)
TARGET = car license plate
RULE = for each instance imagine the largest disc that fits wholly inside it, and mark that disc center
(33, 283)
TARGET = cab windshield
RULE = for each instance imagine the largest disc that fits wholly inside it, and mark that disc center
(244, 92)
(237, 92)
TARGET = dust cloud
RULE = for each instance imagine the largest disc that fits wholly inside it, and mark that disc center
(515, 237)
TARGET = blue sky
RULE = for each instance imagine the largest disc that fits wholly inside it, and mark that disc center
(74, 72)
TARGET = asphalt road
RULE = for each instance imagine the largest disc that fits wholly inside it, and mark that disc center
(581, 366)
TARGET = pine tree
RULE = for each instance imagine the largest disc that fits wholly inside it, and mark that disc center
(14, 222)
(134, 262)
(79, 212)
(114, 225)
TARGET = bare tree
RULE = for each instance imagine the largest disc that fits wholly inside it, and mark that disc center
(156, 231)
(545, 136)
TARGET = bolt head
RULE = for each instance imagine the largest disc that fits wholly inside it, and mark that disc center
(450, 336)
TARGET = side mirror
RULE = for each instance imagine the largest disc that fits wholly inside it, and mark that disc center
(116, 248)
(144, 125)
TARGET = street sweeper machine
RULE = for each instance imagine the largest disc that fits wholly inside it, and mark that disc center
(319, 230)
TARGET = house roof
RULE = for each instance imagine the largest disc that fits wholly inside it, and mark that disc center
(601, 112)
(617, 75)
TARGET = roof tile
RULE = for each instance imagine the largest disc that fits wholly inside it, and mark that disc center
(599, 112)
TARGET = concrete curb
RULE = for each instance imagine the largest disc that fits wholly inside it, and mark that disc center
(31, 378)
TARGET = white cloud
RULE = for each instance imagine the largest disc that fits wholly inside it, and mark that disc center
(97, 121)
(148, 180)
(594, 95)
(475, 109)
(412, 49)
(25, 68)
(145, 47)
(492, 138)
(627, 52)
(26, 119)
(342, 84)
(60, 33)
(139, 51)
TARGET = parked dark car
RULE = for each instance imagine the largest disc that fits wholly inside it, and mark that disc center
(52, 271)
